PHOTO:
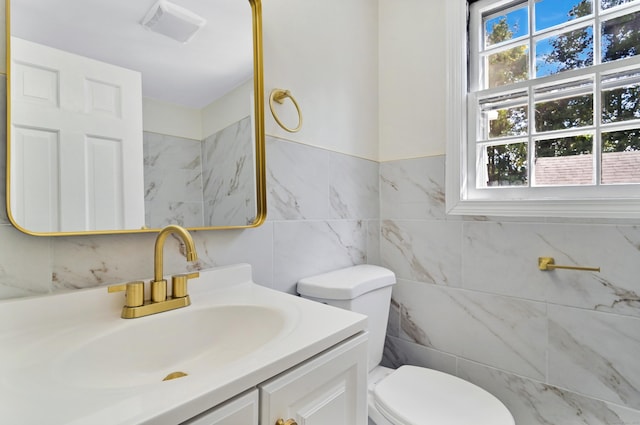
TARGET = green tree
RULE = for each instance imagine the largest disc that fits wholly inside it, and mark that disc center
(606, 4)
(507, 164)
(620, 39)
(508, 66)
(621, 104)
(564, 114)
(571, 50)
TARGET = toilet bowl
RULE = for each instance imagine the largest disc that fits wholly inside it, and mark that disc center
(409, 395)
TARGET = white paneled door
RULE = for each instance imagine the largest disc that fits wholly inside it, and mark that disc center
(76, 142)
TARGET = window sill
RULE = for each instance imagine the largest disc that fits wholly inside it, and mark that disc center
(599, 208)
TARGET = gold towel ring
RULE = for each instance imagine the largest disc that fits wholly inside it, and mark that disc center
(279, 95)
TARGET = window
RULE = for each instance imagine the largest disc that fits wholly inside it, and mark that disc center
(551, 105)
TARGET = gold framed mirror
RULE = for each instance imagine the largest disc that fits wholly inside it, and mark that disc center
(123, 117)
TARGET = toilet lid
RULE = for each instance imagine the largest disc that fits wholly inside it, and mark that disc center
(418, 396)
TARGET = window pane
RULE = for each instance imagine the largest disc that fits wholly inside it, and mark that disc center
(621, 104)
(606, 4)
(505, 165)
(570, 50)
(621, 37)
(506, 25)
(504, 116)
(564, 161)
(621, 157)
(549, 13)
(559, 114)
(508, 66)
(621, 141)
(564, 105)
(507, 122)
(620, 96)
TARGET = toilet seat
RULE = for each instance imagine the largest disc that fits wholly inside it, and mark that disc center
(418, 396)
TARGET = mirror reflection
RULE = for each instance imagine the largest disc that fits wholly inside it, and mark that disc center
(129, 115)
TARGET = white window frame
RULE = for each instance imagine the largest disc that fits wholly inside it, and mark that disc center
(458, 199)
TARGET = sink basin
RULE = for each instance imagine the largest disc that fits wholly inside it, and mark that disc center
(72, 356)
(144, 351)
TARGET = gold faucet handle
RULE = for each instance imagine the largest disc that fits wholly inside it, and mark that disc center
(134, 292)
(179, 284)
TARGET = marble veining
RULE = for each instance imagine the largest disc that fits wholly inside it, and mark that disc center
(498, 331)
(489, 264)
(559, 347)
(615, 288)
(401, 241)
(297, 181)
(280, 251)
(353, 187)
(595, 354)
(399, 352)
(411, 329)
(393, 324)
(200, 183)
(336, 244)
(373, 242)
(535, 403)
(228, 171)
(405, 251)
(413, 189)
(623, 296)
(187, 214)
(104, 260)
(173, 181)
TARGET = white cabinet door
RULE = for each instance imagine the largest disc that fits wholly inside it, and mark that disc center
(241, 410)
(328, 389)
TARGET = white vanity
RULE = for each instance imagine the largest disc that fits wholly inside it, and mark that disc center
(241, 354)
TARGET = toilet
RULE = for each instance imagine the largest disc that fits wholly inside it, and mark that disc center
(409, 395)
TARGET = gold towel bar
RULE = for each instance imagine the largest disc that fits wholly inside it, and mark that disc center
(548, 263)
(279, 95)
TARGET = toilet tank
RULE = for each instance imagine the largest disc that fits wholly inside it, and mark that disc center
(364, 289)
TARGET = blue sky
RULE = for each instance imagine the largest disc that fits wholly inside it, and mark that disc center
(553, 12)
(548, 13)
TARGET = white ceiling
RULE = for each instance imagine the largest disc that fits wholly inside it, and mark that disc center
(216, 60)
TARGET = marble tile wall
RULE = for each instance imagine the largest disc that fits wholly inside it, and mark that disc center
(324, 208)
(559, 348)
(200, 183)
(228, 176)
(342, 230)
(173, 186)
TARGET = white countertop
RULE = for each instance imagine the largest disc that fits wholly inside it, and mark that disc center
(37, 334)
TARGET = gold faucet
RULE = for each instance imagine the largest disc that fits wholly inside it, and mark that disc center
(135, 305)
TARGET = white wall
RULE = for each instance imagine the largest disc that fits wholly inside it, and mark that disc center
(173, 120)
(229, 109)
(194, 123)
(325, 53)
(412, 78)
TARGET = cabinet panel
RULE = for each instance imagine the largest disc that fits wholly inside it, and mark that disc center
(241, 410)
(328, 389)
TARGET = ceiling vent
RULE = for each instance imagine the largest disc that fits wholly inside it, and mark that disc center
(173, 21)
